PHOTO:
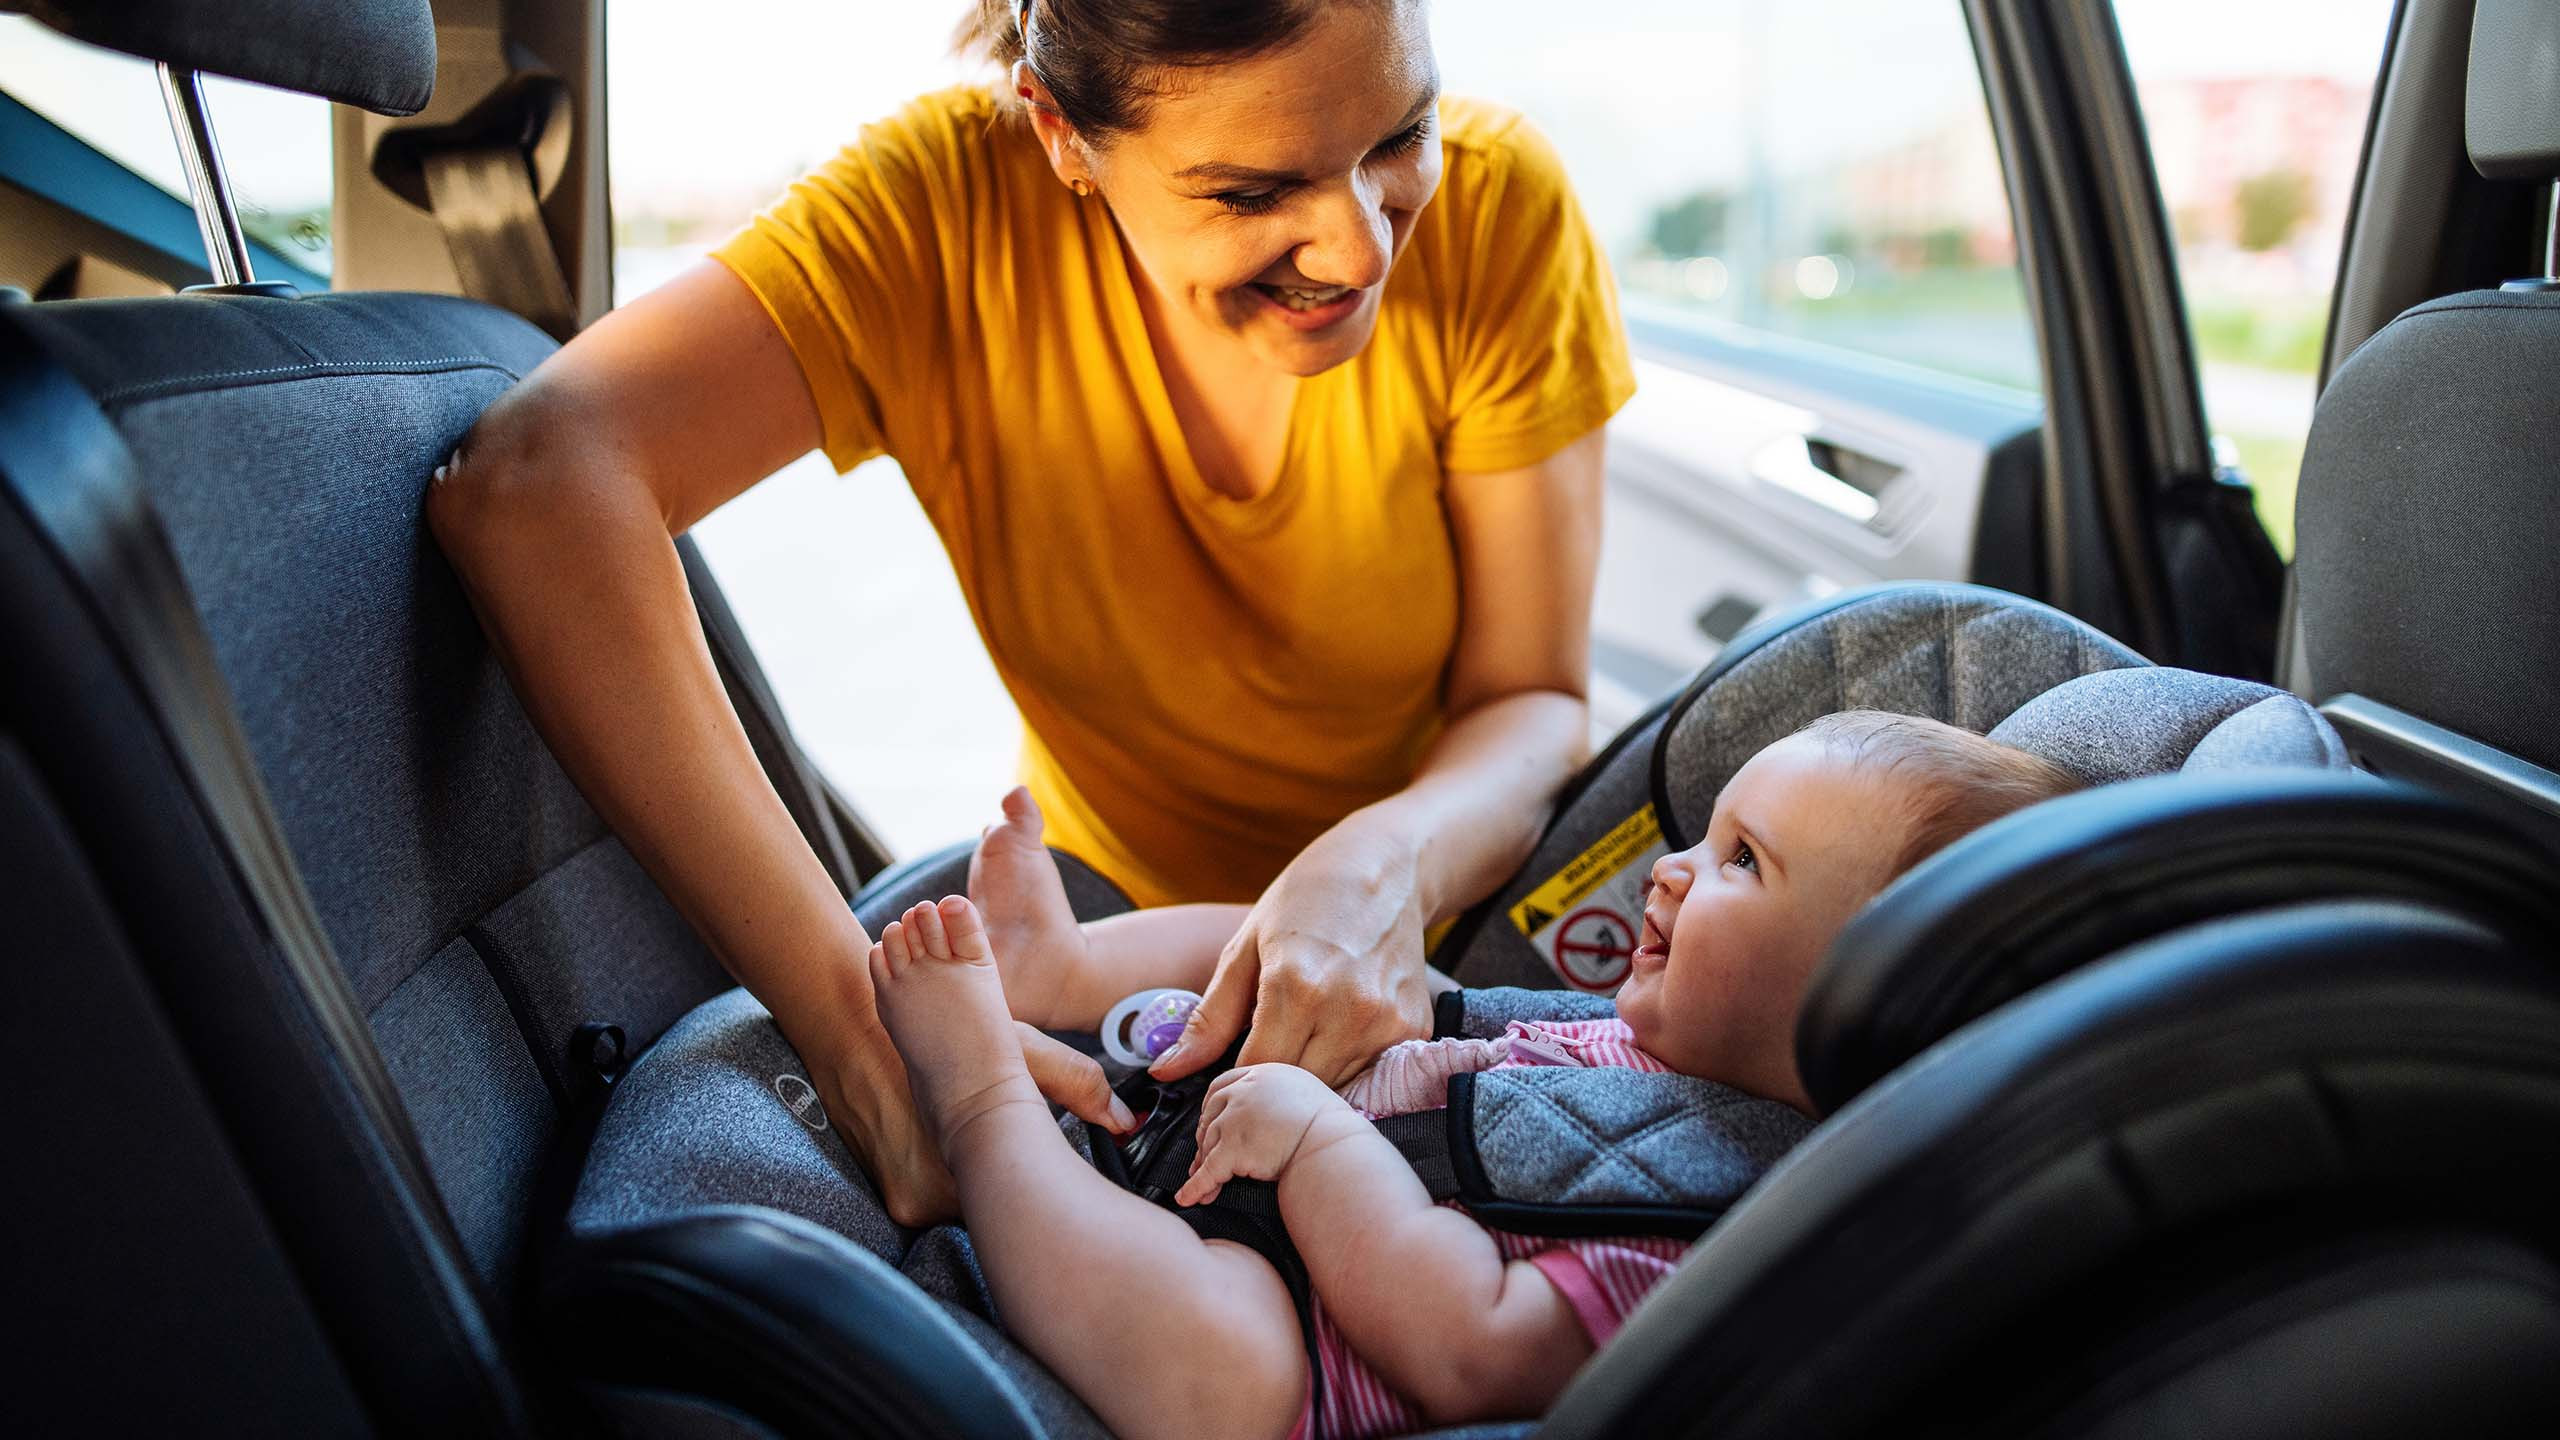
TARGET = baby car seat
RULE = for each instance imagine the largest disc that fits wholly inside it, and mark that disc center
(698, 1129)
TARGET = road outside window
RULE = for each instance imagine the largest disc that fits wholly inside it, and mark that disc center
(2257, 117)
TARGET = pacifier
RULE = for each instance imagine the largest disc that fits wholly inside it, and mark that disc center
(1145, 1025)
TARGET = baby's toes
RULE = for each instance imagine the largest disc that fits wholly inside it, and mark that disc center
(966, 928)
(930, 938)
(877, 962)
(893, 945)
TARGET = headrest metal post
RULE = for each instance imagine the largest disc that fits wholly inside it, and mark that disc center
(2551, 242)
(226, 249)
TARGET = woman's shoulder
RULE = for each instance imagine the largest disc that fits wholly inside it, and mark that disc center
(956, 127)
(1492, 153)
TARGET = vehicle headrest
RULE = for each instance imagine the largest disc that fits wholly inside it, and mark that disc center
(2511, 107)
(379, 55)
(2425, 523)
(2060, 885)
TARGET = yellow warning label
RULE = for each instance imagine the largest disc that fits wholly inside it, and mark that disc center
(1588, 871)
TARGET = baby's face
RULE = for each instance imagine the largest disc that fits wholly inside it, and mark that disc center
(1800, 839)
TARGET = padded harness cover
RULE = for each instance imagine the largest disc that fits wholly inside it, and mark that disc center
(1538, 1150)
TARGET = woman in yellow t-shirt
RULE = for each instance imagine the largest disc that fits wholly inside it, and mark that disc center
(1254, 388)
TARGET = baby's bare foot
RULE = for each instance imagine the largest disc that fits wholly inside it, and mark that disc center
(940, 996)
(1038, 945)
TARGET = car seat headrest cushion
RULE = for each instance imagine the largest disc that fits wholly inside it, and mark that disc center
(2511, 105)
(379, 55)
(2120, 724)
(1960, 653)
(2060, 885)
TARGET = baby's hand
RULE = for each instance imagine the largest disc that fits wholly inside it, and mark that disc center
(1252, 1125)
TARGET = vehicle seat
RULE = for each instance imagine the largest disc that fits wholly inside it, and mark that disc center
(2426, 517)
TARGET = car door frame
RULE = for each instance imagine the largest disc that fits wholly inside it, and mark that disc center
(2142, 533)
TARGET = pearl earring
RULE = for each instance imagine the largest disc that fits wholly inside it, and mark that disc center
(1080, 187)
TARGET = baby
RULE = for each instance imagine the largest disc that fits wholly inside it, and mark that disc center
(1422, 1316)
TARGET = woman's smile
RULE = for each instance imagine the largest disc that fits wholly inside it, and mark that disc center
(1308, 310)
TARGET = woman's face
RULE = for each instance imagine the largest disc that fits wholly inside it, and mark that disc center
(1267, 199)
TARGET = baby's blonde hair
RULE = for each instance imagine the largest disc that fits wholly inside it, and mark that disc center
(1961, 781)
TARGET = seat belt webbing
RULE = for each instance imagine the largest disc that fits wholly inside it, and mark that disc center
(482, 197)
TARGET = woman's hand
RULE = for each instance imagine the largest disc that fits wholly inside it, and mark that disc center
(870, 1100)
(1327, 968)
(1256, 1121)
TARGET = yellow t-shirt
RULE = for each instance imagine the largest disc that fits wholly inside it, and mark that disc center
(1207, 683)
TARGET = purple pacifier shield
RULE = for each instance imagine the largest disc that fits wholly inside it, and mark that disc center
(1160, 1038)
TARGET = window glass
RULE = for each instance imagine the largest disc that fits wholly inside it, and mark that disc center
(1820, 168)
(275, 144)
(2257, 118)
(835, 580)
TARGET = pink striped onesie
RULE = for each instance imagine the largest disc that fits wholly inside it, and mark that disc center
(1601, 1279)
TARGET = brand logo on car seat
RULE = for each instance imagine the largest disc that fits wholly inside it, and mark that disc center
(801, 1099)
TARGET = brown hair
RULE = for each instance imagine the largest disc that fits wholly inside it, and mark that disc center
(1962, 781)
(1103, 60)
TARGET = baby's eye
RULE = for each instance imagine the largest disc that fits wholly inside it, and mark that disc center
(1743, 859)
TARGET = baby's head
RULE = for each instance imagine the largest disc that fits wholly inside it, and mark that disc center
(1804, 835)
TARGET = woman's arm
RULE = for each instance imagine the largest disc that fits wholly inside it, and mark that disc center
(1329, 966)
(1418, 1289)
(560, 512)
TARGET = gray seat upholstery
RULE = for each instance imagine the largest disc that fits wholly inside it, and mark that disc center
(480, 909)
(2456, 617)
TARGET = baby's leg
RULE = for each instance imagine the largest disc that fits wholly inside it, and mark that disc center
(1066, 976)
(1162, 1333)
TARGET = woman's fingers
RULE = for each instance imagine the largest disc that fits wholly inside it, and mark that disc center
(1349, 1044)
(1071, 1078)
(1222, 1013)
(1288, 1017)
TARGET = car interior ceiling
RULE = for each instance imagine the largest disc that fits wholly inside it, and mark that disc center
(368, 1084)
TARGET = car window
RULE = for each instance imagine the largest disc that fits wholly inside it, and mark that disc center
(1822, 169)
(2257, 118)
(275, 145)
(709, 122)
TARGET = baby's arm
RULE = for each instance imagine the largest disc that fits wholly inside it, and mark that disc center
(1418, 1289)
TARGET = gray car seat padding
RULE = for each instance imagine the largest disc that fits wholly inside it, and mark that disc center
(1988, 661)
(481, 910)
(1957, 653)
(720, 1113)
(1545, 1149)
(2040, 894)
(194, 860)
(2032, 1174)
(2427, 525)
